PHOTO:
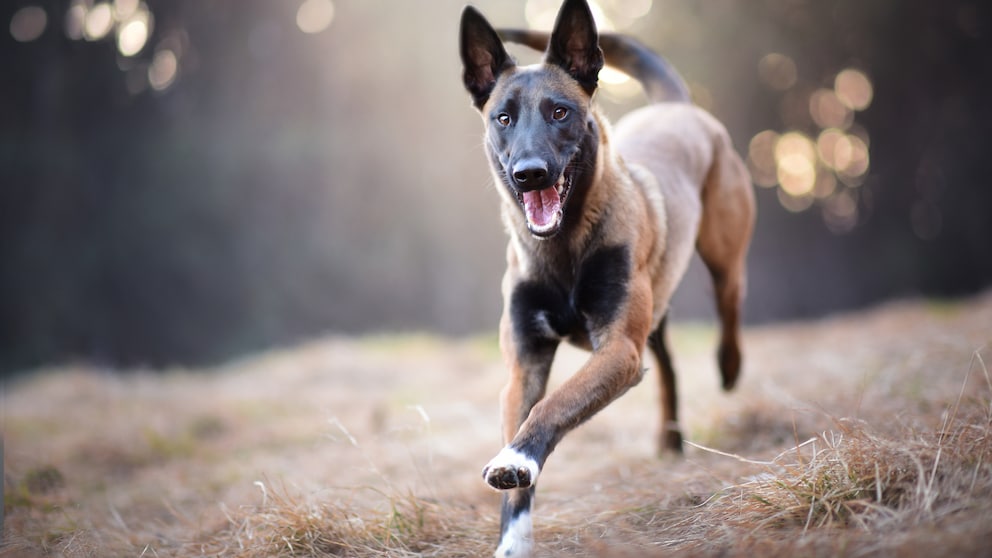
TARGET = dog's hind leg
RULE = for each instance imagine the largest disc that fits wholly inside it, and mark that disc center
(724, 235)
(670, 437)
(729, 292)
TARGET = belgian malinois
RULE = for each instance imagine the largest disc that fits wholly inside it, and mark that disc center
(602, 226)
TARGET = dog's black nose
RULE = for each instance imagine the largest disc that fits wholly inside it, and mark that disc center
(530, 173)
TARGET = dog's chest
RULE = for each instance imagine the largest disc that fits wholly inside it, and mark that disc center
(574, 304)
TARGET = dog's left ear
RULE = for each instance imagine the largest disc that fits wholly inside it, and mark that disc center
(574, 44)
(483, 56)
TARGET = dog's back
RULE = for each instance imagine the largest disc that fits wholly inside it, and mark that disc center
(699, 186)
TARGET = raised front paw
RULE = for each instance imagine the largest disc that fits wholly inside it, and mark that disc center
(510, 469)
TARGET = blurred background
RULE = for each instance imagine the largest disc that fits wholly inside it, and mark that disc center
(186, 181)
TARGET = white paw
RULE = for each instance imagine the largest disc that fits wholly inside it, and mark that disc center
(517, 540)
(511, 469)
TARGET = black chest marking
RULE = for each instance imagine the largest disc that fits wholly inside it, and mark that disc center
(546, 310)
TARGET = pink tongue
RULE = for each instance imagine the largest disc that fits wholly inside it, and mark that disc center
(542, 206)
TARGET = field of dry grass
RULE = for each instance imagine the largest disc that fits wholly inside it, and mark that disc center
(862, 434)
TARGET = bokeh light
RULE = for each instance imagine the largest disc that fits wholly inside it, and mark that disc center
(618, 86)
(833, 148)
(124, 9)
(603, 21)
(828, 111)
(631, 9)
(612, 76)
(623, 13)
(98, 21)
(761, 158)
(131, 24)
(315, 16)
(540, 14)
(826, 185)
(75, 20)
(163, 70)
(853, 89)
(795, 155)
(610, 15)
(856, 164)
(133, 33)
(840, 211)
(28, 23)
(795, 204)
(777, 71)
(826, 167)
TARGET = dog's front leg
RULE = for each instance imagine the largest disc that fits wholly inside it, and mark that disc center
(614, 367)
(529, 361)
(608, 373)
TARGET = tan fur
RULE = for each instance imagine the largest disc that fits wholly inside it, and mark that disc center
(708, 199)
(709, 203)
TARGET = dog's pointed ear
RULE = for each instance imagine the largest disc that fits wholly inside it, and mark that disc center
(483, 56)
(574, 44)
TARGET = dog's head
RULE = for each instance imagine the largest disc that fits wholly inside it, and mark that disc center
(540, 133)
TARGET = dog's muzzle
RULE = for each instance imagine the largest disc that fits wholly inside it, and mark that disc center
(543, 207)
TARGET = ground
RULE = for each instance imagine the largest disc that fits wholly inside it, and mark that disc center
(861, 434)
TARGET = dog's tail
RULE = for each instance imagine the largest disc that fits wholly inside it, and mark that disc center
(662, 83)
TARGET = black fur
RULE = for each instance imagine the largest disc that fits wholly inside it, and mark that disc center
(483, 56)
(601, 286)
(576, 307)
(578, 312)
(532, 304)
(532, 132)
(584, 161)
(671, 439)
(574, 44)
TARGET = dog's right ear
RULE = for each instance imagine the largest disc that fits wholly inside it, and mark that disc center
(483, 56)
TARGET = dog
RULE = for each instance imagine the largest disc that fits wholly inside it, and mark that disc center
(602, 224)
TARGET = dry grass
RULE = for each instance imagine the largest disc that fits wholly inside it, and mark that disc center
(858, 435)
(284, 524)
(856, 491)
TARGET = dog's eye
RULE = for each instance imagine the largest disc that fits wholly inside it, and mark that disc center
(560, 113)
(503, 119)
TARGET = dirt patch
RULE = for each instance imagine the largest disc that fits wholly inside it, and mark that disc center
(859, 434)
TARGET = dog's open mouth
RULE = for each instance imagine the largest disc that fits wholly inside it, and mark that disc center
(544, 209)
